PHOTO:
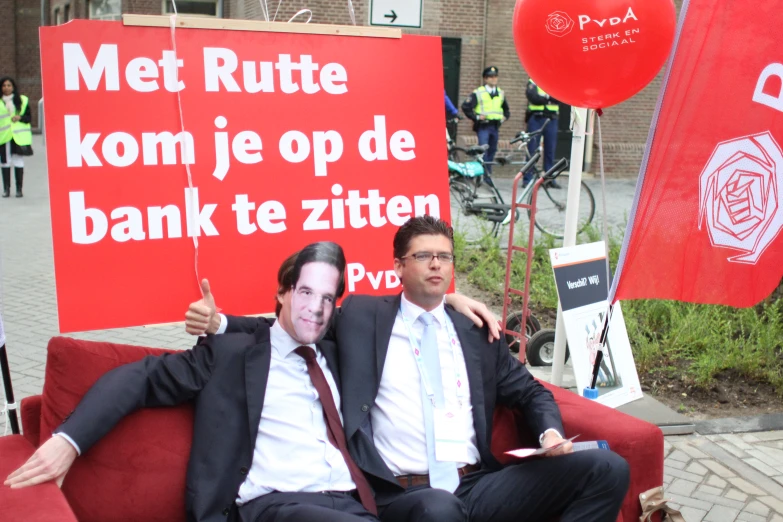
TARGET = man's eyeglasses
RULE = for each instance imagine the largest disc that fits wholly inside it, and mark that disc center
(427, 257)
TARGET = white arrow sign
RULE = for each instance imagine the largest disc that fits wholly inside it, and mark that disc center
(396, 13)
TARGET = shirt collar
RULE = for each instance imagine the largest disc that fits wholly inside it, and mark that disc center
(283, 343)
(412, 311)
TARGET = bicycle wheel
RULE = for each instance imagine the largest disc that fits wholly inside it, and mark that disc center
(551, 211)
(460, 194)
(467, 216)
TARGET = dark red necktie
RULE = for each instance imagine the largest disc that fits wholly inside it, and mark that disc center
(334, 427)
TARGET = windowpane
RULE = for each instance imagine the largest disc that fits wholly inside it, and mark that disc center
(193, 7)
(105, 9)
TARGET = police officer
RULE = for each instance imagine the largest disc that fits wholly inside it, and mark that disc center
(15, 135)
(541, 108)
(488, 109)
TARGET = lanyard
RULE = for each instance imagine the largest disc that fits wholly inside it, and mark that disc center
(416, 347)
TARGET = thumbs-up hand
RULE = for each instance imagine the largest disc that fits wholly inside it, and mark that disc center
(201, 317)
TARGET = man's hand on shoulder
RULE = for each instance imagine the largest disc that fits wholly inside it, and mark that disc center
(201, 317)
(552, 438)
(476, 312)
(50, 462)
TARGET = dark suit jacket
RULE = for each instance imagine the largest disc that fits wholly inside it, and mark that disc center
(362, 330)
(226, 377)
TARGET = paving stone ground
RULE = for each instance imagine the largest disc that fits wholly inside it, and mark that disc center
(715, 478)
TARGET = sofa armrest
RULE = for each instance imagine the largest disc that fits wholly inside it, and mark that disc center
(638, 442)
(31, 419)
(41, 503)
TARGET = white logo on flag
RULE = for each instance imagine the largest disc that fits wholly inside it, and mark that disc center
(559, 24)
(740, 193)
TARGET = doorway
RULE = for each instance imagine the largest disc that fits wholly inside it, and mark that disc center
(452, 52)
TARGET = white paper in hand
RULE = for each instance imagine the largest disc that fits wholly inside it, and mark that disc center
(531, 452)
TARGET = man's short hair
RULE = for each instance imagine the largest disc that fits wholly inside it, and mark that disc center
(420, 226)
(322, 252)
(283, 275)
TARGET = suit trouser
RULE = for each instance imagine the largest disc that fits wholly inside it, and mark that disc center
(550, 141)
(487, 134)
(584, 486)
(329, 506)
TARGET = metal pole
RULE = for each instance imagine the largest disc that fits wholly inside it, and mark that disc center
(9, 391)
(41, 119)
(588, 166)
(579, 123)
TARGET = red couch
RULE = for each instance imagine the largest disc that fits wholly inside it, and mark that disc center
(137, 472)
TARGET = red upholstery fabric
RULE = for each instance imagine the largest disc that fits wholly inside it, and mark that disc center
(42, 503)
(136, 472)
(638, 442)
(31, 419)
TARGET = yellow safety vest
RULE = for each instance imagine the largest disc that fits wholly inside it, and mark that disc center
(551, 107)
(22, 132)
(6, 133)
(491, 108)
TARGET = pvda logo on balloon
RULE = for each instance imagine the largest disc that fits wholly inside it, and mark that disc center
(559, 24)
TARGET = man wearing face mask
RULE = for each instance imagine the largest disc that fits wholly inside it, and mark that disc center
(269, 398)
(420, 385)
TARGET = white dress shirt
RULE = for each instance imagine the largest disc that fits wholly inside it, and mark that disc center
(397, 416)
(292, 451)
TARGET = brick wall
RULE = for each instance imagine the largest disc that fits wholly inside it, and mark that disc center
(502, 54)
(27, 70)
(8, 41)
(142, 7)
(448, 18)
(624, 126)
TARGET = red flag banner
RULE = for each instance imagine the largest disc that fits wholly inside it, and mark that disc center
(707, 219)
(288, 139)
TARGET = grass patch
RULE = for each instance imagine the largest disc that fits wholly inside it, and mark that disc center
(706, 340)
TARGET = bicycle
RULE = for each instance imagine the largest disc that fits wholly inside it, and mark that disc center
(550, 212)
(474, 197)
(475, 194)
(480, 206)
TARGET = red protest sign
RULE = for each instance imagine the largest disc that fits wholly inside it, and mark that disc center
(707, 221)
(288, 138)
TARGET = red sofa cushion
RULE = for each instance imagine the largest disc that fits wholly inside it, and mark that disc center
(639, 442)
(41, 503)
(136, 472)
(31, 419)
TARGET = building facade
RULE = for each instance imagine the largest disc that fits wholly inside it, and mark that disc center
(475, 34)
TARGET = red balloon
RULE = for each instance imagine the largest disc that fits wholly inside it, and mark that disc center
(593, 54)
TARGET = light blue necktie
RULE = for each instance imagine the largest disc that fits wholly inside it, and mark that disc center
(443, 475)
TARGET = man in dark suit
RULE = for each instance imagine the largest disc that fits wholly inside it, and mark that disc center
(420, 384)
(268, 442)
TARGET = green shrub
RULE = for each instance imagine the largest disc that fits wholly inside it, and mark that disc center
(665, 335)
